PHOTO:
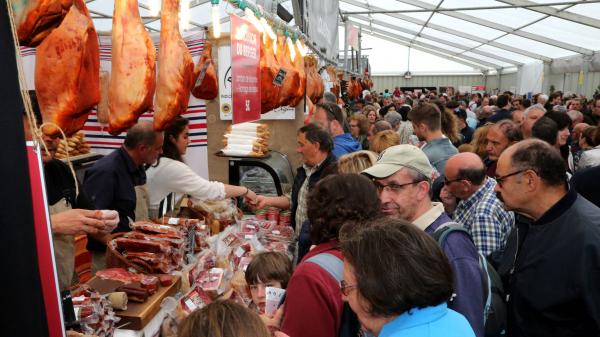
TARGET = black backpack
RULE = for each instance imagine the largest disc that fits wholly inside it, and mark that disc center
(494, 310)
(350, 326)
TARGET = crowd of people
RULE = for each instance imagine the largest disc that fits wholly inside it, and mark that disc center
(434, 215)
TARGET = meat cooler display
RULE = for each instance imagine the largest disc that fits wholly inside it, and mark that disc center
(271, 175)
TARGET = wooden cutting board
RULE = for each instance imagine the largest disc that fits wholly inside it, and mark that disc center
(137, 315)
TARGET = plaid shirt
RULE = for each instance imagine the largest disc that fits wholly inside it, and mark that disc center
(484, 217)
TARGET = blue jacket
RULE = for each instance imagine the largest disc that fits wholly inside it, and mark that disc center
(464, 261)
(343, 144)
(428, 322)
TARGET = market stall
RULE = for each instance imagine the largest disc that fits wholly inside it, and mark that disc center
(92, 87)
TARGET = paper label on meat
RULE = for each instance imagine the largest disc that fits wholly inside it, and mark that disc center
(278, 80)
(173, 221)
(202, 73)
(190, 304)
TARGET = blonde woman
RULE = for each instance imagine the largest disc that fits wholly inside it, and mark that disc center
(356, 162)
(384, 139)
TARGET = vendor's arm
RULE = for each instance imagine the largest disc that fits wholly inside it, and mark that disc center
(77, 221)
(282, 202)
(232, 191)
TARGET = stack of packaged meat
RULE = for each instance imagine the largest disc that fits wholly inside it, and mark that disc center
(246, 139)
(93, 312)
(160, 248)
(219, 271)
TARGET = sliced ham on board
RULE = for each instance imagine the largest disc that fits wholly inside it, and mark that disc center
(175, 68)
(269, 68)
(133, 73)
(67, 72)
(35, 19)
(207, 82)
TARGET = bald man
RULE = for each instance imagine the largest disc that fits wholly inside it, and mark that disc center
(479, 210)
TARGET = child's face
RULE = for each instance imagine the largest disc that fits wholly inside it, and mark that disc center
(258, 292)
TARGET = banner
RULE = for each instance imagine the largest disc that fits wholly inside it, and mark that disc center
(352, 37)
(322, 19)
(245, 70)
(43, 242)
(281, 113)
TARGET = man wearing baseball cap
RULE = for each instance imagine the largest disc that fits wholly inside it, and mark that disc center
(403, 177)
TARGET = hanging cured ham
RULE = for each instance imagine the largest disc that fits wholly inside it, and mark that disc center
(175, 68)
(133, 74)
(291, 82)
(314, 83)
(299, 66)
(67, 71)
(35, 19)
(269, 67)
(335, 89)
(354, 88)
(207, 85)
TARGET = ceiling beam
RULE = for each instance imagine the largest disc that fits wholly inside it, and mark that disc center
(437, 39)
(527, 5)
(410, 43)
(546, 9)
(458, 33)
(503, 28)
(433, 52)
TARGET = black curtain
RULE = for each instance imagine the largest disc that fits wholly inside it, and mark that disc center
(21, 296)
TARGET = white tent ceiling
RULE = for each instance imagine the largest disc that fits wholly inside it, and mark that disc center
(477, 34)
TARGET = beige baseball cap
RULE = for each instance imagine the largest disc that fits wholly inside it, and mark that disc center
(396, 157)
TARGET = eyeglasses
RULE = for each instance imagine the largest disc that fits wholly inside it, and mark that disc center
(500, 179)
(345, 287)
(392, 187)
(448, 182)
(354, 125)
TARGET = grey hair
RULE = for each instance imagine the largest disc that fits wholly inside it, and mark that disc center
(329, 97)
(141, 133)
(394, 118)
(534, 107)
(574, 114)
(543, 97)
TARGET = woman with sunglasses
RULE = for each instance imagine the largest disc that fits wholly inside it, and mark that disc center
(405, 293)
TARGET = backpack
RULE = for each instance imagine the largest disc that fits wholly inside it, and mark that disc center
(350, 326)
(494, 310)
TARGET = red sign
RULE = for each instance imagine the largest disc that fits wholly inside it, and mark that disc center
(245, 70)
(43, 238)
(478, 88)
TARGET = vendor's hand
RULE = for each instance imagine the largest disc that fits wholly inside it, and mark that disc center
(273, 322)
(77, 221)
(260, 202)
(111, 220)
(448, 200)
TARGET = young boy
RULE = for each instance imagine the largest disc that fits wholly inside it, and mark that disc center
(267, 269)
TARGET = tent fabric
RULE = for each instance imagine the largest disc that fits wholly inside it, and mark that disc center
(485, 35)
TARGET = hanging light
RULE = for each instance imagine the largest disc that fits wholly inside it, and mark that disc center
(290, 45)
(301, 48)
(252, 18)
(216, 18)
(154, 6)
(184, 18)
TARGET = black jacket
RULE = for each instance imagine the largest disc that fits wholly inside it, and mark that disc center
(299, 180)
(551, 271)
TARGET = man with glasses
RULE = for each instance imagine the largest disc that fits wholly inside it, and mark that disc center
(551, 264)
(479, 210)
(403, 177)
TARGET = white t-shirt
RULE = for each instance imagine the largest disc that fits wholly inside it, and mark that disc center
(174, 176)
